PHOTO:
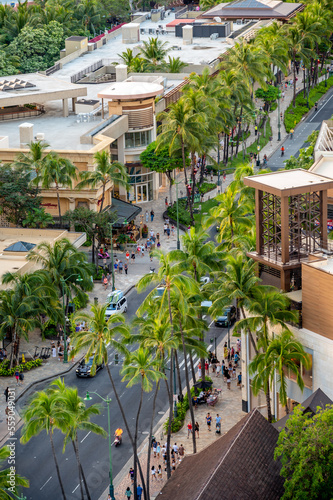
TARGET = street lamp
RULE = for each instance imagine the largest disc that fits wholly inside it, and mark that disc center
(327, 70)
(62, 281)
(279, 118)
(107, 401)
(228, 315)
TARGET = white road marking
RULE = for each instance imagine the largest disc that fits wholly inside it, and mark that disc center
(181, 364)
(204, 316)
(49, 479)
(319, 110)
(211, 323)
(76, 488)
(85, 437)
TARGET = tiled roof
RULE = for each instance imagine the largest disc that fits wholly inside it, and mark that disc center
(238, 466)
(318, 398)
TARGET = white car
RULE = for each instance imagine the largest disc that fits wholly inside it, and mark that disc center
(117, 303)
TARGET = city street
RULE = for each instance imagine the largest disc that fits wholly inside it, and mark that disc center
(35, 461)
(312, 122)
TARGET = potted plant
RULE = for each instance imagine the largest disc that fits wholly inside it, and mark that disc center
(122, 239)
(144, 231)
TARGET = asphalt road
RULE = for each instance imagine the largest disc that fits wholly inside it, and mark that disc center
(34, 460)
(312, 122)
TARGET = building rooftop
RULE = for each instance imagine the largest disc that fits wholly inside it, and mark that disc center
(254, 9)
(325, 265)
(288, 182)
(131, 90)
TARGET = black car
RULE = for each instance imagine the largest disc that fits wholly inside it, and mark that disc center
(223, 319)
(84, 368)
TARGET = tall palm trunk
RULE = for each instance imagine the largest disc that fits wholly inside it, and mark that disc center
(59, 209)
(103, 196)
(250, 333)
(151, 437)
(192, 367)
(76, 451)
(294, 75)
(127, 429)
(136, 443)
(57, 466)
(180, 388)
(170, 393)
(268, 402)
(188, 388)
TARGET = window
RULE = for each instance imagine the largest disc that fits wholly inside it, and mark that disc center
(306, 373)
(137, 139)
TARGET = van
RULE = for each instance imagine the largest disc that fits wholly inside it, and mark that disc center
(117, 303)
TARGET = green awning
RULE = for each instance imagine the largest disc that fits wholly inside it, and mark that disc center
(125, 211)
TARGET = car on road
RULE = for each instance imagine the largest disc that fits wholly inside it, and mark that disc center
(117, 303)
(223, 319)
(158, 292)
(84, 368)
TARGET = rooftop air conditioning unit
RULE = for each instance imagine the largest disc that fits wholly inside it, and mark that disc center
(217, 19)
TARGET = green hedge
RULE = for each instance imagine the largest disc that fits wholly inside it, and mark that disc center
(178, 422)
(206, 186)
(293, 115)
(184, 214)
(5, 371)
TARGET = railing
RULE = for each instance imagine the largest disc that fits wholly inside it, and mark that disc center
(53, 69)
(93, 67)
(180, 12)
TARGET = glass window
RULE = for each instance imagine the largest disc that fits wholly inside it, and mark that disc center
(307, 374)
(137, 139)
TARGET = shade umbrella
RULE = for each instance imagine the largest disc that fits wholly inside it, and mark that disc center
(203, 384)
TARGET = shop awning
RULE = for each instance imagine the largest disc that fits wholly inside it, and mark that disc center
(125, 211)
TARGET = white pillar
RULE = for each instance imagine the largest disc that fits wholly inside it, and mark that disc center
(65, 107)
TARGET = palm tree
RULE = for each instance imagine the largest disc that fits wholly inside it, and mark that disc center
(5, 473)
(59, 172)
(285, 353)
(267, 308)
(141, 367)
(236, 284)
(34, 160)
(67, 267)
(173, 65)
(45, 413)
(154, 51)
(105, 172)
(229, 213)
(181, 129)
(95, 341)
(80, 419)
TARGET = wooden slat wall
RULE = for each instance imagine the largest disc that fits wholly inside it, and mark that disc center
(317, 301)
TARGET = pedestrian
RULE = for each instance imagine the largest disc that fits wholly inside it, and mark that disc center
(218, 368)
(159, 473)
(175, 448)
(199, 370)
(142, 251)
(165, 227)
(196, 429)
(158, 236)
(228, 380)
(54, 351)
(106, 282)
(234, 373)
(7, 413)
(282, 150)
(224, 175)
(102, 279)
(121, 267)
(181, 452)
(126, 267)
(158, 449)
(236, 359)
(255, 130)
(152, 234)
(108, 277)
(21, 377)
(6, 392)
(132, 257)
(316, 106)
(265, 160)
(218, 423)
(131, 474)
(232, 352)
(225, 351)
(239, 381)
(172, 230)
(139, 491)
(127, 256)
(147, 216)
(211, 177)
(207, 367)
(153, 472)
(152, 214)
(291, 133)
(209, 421)
(17, 376)
(155, 448)
(128, 492)
(173, 464)
(158, 244)
(189, 429)
(166, 201)
(238, 345)
(168, 232)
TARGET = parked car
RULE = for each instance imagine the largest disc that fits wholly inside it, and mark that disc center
(84, 368)
(223, 319)
(117, 303)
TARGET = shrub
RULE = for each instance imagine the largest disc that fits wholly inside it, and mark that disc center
(206, 186)
(81, 301)
(5, 371)
(184, 214)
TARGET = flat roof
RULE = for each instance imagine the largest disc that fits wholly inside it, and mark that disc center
(131, 90)
(323, 265)
(287, 182)
(254, 9)
(45, 88)
(175, 22)
(324, 166)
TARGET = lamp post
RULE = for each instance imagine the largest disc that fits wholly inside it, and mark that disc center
(112, 272)
(279, 118)
(307, 90)
(303, 68)
(62, 281)
(174, 387)
(327, 70)
(107, 401)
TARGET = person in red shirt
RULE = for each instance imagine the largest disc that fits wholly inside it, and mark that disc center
(189, 429)
(207, 367)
